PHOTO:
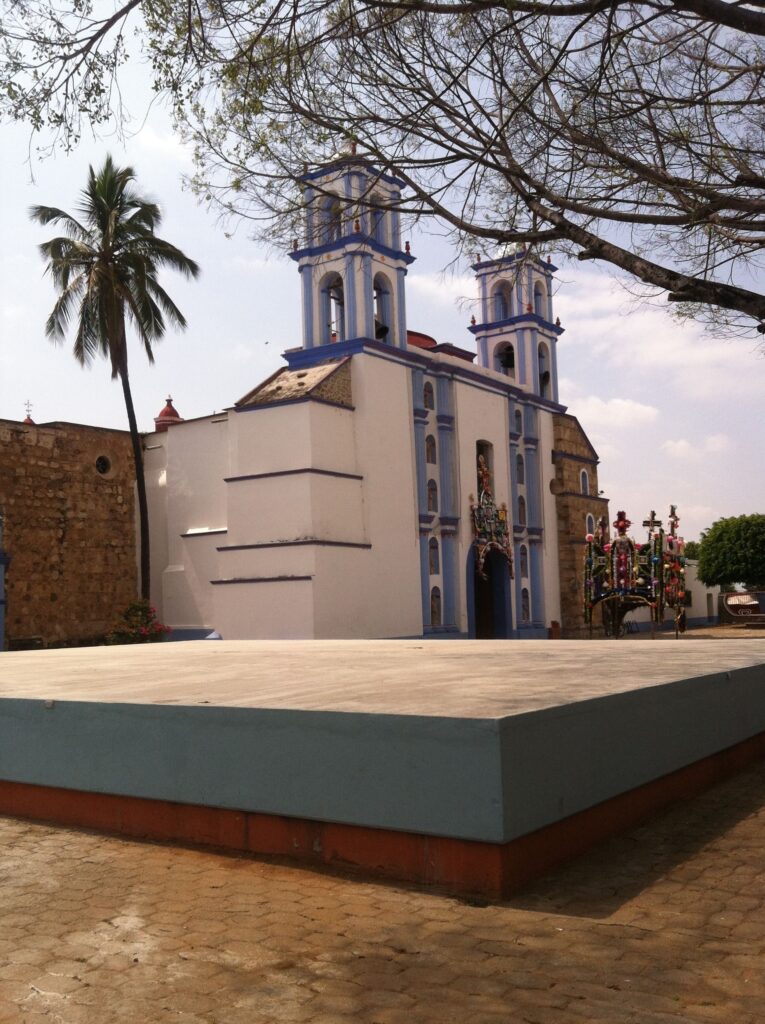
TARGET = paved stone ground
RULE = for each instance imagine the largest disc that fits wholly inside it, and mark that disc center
(665, 925)
(706, 633)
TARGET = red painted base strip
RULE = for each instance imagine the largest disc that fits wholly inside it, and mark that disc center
(494, 870)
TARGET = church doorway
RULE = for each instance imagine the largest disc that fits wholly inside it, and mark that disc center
(490, 598)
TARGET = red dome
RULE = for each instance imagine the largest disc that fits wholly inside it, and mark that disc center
(167, 416)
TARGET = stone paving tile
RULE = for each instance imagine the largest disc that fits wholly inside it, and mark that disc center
(665, 925)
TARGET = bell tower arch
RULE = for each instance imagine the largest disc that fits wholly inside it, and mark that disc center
(352, 263)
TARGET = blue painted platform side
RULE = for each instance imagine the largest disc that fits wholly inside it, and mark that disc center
(438, 776)
(561, 760)
(490, 779)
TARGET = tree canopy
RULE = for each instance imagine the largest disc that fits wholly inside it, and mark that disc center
(629, 133)
(733, 551)
(692, 548)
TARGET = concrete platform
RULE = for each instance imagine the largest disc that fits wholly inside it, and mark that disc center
(469, 764)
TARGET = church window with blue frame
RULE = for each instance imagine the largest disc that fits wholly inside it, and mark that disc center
(434, 561)
(520, 469)
(332, 219)
(584, 482)
(544, 370)
(525, 606)
(383, 308)
(539, 299)
(505, 359)
(332, 300)
(521, 511)
(590, 524)
(377, 221)
(435, 607)
(432, 496)
(524, 561)
(501, 301)
(430, 450)
(428, 396)
(518, 421)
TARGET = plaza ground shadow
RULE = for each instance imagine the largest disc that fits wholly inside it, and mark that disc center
(597, 883)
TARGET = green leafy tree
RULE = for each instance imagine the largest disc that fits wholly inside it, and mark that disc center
(733, 551)
(105, 268)
(692, 548)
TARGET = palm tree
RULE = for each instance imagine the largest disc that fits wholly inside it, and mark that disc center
(105, 269)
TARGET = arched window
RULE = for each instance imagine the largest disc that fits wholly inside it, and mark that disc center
(484, 453)
(544, 370)
(428, 397)
(430, 450)
(524, 561)
(590, 526)
(539, 299)
(501, 301)
(584, 482)
(432, 496)
(525, 606)
(518, 421)
(504, 357)
(383, 308)
(377, 221)
(521, 511)
(435, 607)
(332, 219)
(520, 469)
(434, 562)
(332, 295)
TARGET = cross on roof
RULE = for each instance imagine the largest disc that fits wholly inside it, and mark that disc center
(674, 519)
(652, 522)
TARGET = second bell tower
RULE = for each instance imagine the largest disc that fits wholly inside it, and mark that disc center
(352, 263)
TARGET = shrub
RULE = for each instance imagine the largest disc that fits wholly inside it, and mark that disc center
(138, 624)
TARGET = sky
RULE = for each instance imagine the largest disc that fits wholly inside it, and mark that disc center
(676, 416)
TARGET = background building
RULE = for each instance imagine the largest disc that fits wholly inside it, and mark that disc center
(67, 495)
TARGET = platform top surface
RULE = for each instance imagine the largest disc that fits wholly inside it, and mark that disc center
(453, 679)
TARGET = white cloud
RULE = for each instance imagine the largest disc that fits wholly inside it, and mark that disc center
(165, 144)
(717, 443)
(453, 288)
(681, 449)
(713, 444)
(613, 413)
(250, 264)
(643, 340)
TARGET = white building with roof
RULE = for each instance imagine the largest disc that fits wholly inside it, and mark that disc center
(359, 489)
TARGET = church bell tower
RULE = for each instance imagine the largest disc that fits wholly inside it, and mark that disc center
(515, 334)
(352, 264)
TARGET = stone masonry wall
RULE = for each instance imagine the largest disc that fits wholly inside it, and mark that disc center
(69, 530)
(572, 453)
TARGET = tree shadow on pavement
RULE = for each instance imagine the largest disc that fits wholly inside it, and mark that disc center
(617, 870)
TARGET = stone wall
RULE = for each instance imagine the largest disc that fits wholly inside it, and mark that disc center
(572, 452)
(68, 495)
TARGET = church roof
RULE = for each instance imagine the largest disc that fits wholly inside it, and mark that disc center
(329, 381)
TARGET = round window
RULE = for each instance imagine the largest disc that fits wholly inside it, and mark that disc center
(103, 464)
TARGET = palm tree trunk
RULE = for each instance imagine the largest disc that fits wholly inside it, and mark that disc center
(140, 480)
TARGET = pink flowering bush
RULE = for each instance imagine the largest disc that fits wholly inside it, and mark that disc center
(138, 624)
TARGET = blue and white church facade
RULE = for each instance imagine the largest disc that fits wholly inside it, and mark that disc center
(380, 484)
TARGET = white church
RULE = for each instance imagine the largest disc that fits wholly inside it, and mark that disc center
(380, 484)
